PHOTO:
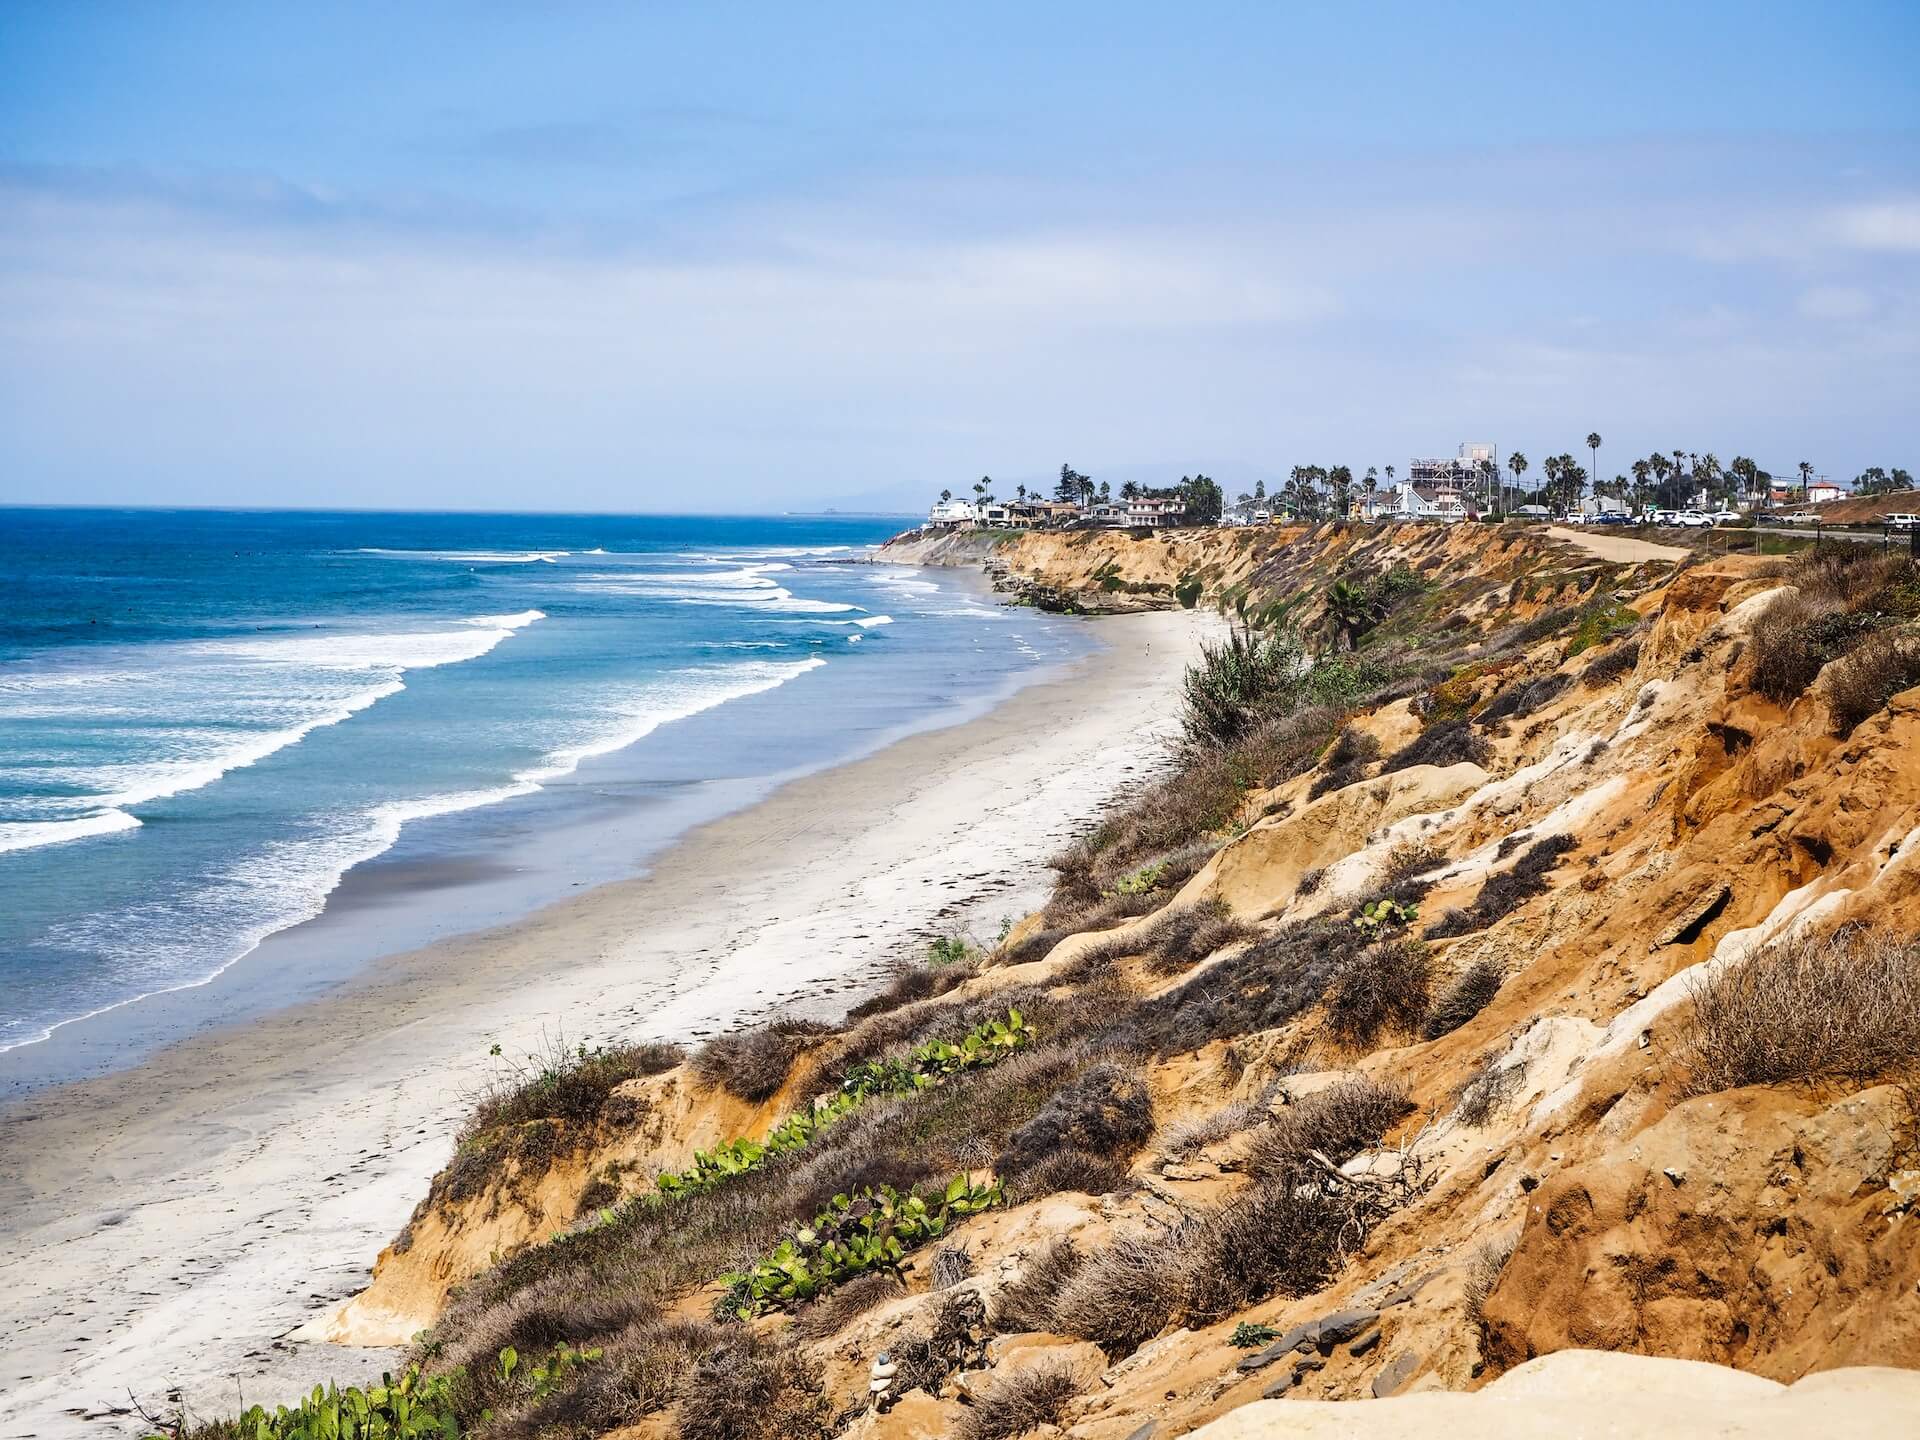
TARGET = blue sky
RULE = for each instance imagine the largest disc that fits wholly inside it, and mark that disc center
(761, 257)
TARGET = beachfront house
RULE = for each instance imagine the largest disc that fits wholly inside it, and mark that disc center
(952, 514)
(1821, 491)
(1154, 511)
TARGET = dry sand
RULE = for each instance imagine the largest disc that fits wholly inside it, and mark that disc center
(173, 1224)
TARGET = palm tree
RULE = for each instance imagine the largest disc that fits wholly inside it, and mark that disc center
(945, 496)
(1389, 475)
(1593, 448)
(1517, 463)
(1351, 607)
(1021, 492)
(1806, 474)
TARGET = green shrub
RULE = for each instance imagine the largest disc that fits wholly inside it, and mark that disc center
(928, 1064)
(869, 1230)
(948, 950)
(1250, 1336)
(1235, 680)
(414, 1407)
(1600, 622)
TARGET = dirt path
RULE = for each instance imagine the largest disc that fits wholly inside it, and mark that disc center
(1618, 548)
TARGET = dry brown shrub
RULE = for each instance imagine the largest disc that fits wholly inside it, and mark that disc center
(1453, 742)
(1385, 987)
(1486, 1091)
(1026, 1303)
(1844, 1006)
(562, 1084)
(754, 1064)
(950, 1265)
(753, 1390)
(1107, 1111)
(1346, 762)
(831, 1312)
(1484, 1270)
(1470, 992)
(1071, 1169)
(1339, 1122)
(1011, 1405)
(1622, 659)
(1860, 683)
(1408, 859)
(1784, 653)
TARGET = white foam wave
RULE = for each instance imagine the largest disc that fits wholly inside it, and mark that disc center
(519, 621)
(32, 834)
(472, 557)
(272, 674)
(289, 881)
(865, 622)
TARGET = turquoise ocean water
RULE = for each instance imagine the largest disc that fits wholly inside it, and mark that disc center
(208, 719)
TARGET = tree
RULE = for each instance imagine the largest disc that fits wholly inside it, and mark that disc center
(1389, 475)
(1105, 494)
(1516, 462)
(1806, 474)
(1900, 480)
(1351, 607)
(1340, 478)
(945, 496)
(1203, 499)
(1129, 490)
(1489, 474)
(1020, 492)
(1259, 489)
(1069, 487)
(982, 496)
(1593, 448)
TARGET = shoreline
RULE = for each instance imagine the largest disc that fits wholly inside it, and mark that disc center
(173, 1223)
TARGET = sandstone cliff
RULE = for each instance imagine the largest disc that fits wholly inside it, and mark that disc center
(1585, 799)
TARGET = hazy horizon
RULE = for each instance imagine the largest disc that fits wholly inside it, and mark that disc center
(596, 260)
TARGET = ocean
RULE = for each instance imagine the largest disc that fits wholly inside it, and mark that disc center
(211, 719)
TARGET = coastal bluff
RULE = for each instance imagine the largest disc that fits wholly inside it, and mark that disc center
(1508, 1027)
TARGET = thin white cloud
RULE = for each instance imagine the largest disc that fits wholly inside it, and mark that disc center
(1886, 225)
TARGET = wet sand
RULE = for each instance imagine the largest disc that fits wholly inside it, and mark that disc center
(172, 1224)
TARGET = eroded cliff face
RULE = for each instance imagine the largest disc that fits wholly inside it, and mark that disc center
(1559, 1189)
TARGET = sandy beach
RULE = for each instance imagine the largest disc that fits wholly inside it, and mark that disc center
(165, 1229)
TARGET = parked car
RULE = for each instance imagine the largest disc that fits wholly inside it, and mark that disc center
(1724, 517)
(1901, 521)
(1612, 517)
(1662, 517)
(1800, 517)
(1693, 520)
